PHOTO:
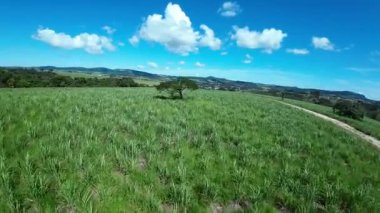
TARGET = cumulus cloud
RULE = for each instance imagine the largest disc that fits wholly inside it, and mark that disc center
(248, 59)
(268, 40)
(199, 64)
(224, 53)
(140, 67)
(109, 29)
(209, 39)
(229, 9)
(134, 40)
(174, 31)
(322, 43)
(181, 62)
(152, 64)
(296, 51)
(91, 43)
(121, 44)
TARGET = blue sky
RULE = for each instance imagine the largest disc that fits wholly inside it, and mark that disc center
(325, 44)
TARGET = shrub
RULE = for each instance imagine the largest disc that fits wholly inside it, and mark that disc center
(378, 116)
(315, 96)
(348, 109)
(325, 102)
(126, 82)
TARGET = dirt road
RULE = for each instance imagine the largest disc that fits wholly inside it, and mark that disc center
(375, 142)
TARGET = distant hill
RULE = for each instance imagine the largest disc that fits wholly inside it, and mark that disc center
(106, 71)
(211, 82)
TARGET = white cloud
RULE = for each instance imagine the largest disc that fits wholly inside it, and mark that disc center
(199, 64)
(140, 67)
(248, 59)
(248, 56)
(322, 43)
(224, 53)
(375, 57)
(229, 9)
(121, 44)
(167, 68)
(109, 29)
(152, 64)
(91, 43)
(268, 39)
(363, 69)
(174, 31)
(209, 39)
(296, 51)
(134, 40)
(181, 62)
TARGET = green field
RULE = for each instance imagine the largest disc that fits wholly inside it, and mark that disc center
(138, 80)
(122, 150)
(81, 74)
(367, 125)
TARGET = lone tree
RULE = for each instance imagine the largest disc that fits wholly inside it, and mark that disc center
(175, 88)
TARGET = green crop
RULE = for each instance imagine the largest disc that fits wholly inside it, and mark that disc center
(122, 150)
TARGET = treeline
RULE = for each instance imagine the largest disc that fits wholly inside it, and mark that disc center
(356, 109)
(24, 78)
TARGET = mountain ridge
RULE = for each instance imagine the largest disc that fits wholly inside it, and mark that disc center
(209, 82)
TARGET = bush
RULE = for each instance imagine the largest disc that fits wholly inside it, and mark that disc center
(325, 102)
(315, 96)
(378, 116)
(126, 82)
(348, 109)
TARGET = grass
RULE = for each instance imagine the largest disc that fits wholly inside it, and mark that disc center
(145, 81)
(81, 74)
(367, 125)
(121, 150)
(74, 74)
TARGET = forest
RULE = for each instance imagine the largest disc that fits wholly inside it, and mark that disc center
(30, 77)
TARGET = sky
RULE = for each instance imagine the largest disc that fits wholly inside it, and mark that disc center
(324, 44)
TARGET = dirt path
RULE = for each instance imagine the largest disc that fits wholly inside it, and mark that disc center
(345, 126)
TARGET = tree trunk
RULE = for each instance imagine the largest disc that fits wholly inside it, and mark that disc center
(180, 94)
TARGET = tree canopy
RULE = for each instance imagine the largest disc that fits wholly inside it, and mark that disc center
(176, 87)
(19, 77)
(349, 109)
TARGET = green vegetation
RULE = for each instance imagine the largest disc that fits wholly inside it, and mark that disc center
(147, 82)
(119, 149)
(366, 125)
(74, 74)
(175, 88)
(349, 109)
(22, 78)
(355, 107)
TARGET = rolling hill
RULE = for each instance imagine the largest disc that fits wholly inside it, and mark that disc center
(212, 82)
